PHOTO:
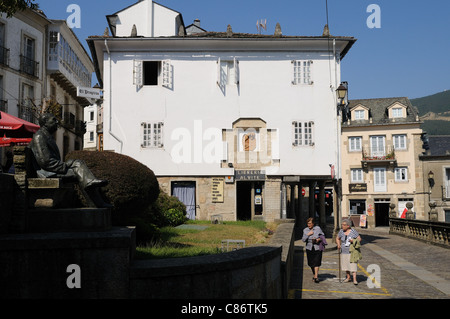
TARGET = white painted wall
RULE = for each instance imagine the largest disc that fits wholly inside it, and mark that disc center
(265, 91)
(151, 20)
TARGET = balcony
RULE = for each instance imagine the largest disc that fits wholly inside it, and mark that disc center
(29, 66)
(4, 106)
(379, 157)
(4, 56)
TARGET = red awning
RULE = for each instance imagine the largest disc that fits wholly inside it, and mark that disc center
(12, 126)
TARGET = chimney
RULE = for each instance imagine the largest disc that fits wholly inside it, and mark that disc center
(197, 22)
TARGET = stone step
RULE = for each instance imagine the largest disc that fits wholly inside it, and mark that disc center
(68, 220)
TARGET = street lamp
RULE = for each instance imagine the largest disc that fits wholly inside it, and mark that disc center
(431, 179)
(342, 91)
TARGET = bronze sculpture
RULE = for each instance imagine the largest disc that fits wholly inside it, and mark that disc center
(48, 164)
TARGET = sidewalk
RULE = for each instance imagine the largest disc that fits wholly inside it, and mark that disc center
(402, 268)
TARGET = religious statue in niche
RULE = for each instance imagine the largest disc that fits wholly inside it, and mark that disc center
(249, 142)
(48, 164)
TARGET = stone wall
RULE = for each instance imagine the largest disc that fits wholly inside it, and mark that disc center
(260, 272)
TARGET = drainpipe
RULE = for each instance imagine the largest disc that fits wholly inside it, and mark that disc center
(110, 98)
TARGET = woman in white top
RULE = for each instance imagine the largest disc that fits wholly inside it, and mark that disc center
(343, 240)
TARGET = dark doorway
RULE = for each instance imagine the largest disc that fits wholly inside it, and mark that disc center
(244, 200)
(381, 214)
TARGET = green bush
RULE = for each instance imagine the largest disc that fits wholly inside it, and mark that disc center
(132, 187)
(168, 211)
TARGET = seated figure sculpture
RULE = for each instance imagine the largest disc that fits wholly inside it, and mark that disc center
(48, 164)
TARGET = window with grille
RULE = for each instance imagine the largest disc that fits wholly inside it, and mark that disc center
(302, 72)
(303, 133)
(152, 135)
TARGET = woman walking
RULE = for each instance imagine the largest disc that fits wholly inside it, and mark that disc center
(313, 236)
(348, 242)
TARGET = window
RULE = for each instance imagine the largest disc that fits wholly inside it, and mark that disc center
(359, 115)
(378, 146)
(399, 142)
(303, 133)
(357, 175)
(28, 48)
(152, 70)
(152, 135)
(227, 72)
(91, 136)
(357, 207)
(397, 112)
(3, 50)
(355, 143)
(302, 72)
(401, 174)
(152, 73)
(380, 184)
(53, 46)
(26, 108)
(91, 116)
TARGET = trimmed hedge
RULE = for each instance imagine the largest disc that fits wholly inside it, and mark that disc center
(134, 191)
(132, 187)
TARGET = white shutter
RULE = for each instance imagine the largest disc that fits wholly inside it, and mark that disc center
(167, 74)
(310, 72)
(219, 71)
(138, 73)
(236, 71)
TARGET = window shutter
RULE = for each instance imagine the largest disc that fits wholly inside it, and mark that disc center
(236, 71)
(310, 72)
(138, 73)
(167, 74)
(219, 71)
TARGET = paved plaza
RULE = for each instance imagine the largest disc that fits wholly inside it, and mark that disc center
(400, 268)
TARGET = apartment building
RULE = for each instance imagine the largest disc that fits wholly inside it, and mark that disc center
(381, 144)
(42, 62)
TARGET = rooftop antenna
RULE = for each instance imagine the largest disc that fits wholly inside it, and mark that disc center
(260, 25)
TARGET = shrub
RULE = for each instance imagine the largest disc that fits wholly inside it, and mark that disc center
(168, 211)
(132, 186)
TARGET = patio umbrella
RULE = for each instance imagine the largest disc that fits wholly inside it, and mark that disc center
(8, 141)
(14, 127)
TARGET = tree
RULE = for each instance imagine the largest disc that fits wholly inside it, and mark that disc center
(10, 7)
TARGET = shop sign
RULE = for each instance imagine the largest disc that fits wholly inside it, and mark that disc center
(357, 188)
(217, 190)
(250, 175)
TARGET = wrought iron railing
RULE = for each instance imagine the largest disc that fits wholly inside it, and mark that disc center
(380, 154)
(29, 66)
(4, 56)
(4, 106)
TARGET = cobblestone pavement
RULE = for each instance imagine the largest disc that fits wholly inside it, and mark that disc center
(402, 268)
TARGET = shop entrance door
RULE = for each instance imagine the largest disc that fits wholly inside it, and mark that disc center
(381, 214)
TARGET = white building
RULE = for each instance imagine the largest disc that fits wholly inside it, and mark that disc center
(22, 67)
(233, 124)
(68, 67)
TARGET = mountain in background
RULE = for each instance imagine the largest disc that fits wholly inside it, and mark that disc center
(434, 111)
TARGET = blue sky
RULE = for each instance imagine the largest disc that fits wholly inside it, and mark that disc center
(408, 56)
